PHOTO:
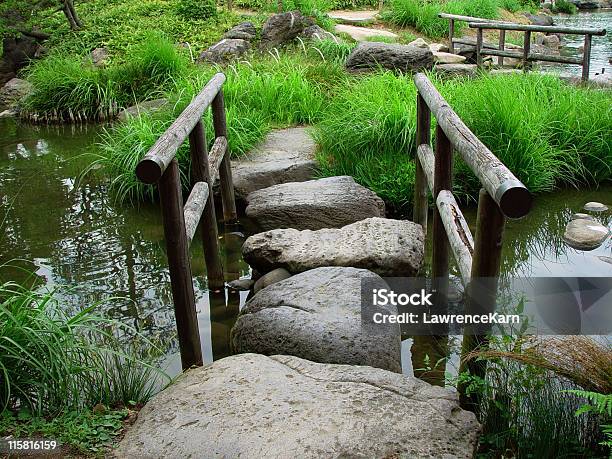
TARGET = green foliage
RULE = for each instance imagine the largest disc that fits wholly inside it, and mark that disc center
(564, 6)
(510, 5)
(52, 362)
(381, 39)
(548, 133)
(67, 86)
(423, 15)
(601, 405)
(272, 92)
(332, 51)
(197, 9)
(83, 431)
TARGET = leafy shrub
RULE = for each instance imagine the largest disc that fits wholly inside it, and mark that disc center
(510, 5)
(197, 9)
(564, 6)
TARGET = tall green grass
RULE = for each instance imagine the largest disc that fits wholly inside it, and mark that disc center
(52, 362)
(272, 92)
(548, 133)
(423, 14)
(67, 87)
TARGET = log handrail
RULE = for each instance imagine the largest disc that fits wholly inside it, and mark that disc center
(536, 28)
(502, 195)
(181, 220)
(510, 194)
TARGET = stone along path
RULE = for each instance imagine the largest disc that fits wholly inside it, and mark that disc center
(321, 239)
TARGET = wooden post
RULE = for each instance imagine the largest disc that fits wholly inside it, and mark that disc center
(482, 291)
(225, 171)
(200, 172)
(502, 46)
(479, 48)
(526, 50)
(451, 33)
(423, 135)
(586, 58)
(177, 248)
(443, 180)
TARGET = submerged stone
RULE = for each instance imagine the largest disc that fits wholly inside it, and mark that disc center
(584, 234)
(595, 207)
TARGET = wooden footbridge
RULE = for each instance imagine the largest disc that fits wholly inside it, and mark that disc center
(502, 196)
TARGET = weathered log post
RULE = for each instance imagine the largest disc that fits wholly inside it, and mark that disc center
(586, 58)
(200, 172)
(451, 35)
(423, 135)
(502, 46)
(482, 290)
(526, 50)
(177, 248)
(479, 43)
(225, 171)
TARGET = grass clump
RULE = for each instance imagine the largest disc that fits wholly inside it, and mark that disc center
(197, 9)
(423, 15)
(272, 92)
(548, 133)
(68, 88)
(564, 6)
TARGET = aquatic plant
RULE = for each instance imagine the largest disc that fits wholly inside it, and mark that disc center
(52, 361)
(548, 133)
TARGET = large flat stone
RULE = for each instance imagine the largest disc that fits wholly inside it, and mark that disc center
(363, 33)
(391, 56)
(287, 155)
(252, 406)
(354, 17)
(330, 202)
(584, 234)
(386, 247)
(316, 315)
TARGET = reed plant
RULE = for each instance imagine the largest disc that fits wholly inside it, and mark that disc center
(52, 362)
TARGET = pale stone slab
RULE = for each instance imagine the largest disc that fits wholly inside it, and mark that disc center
(363, 33)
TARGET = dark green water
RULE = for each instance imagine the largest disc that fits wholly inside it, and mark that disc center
(74, 235)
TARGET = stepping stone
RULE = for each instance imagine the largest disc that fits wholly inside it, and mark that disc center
(330, 202)
(448, 58)
(451, 70)
(584, 234)
(287, 155)
(253, 406)
(354, 17)
(386, 247)
(595, 207)
(363, 33)
(316, 315)
(391, 56)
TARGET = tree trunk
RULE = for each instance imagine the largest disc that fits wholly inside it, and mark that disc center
(71, 15)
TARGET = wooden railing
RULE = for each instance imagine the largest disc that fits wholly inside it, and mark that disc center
(502, 195)
(159, 166)
(526, 55)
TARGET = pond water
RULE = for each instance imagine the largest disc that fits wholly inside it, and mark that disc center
(76, 236)
(601, 50)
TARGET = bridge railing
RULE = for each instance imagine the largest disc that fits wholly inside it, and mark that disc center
(181, 220)
(526, 55)
(502, 196)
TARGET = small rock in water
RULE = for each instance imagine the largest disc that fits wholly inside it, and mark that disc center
(583, 234)
(274, 276)
(241, 284)
(578, 215)
(605, 258)
(595, 207)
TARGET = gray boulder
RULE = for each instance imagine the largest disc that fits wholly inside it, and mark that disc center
(595, 207)
(100, 56)
(316, 315)
(242, 285)
(252, 406)
(540, 19)
(405, 58)
(330, 202)
(14, 91)
(147, 106)
(314, 32)
(454, 70)
(243, 31)
(584, 234)
(226, 50)
(287, 155)
(386, 247)
(283, 28)
(274, 276)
